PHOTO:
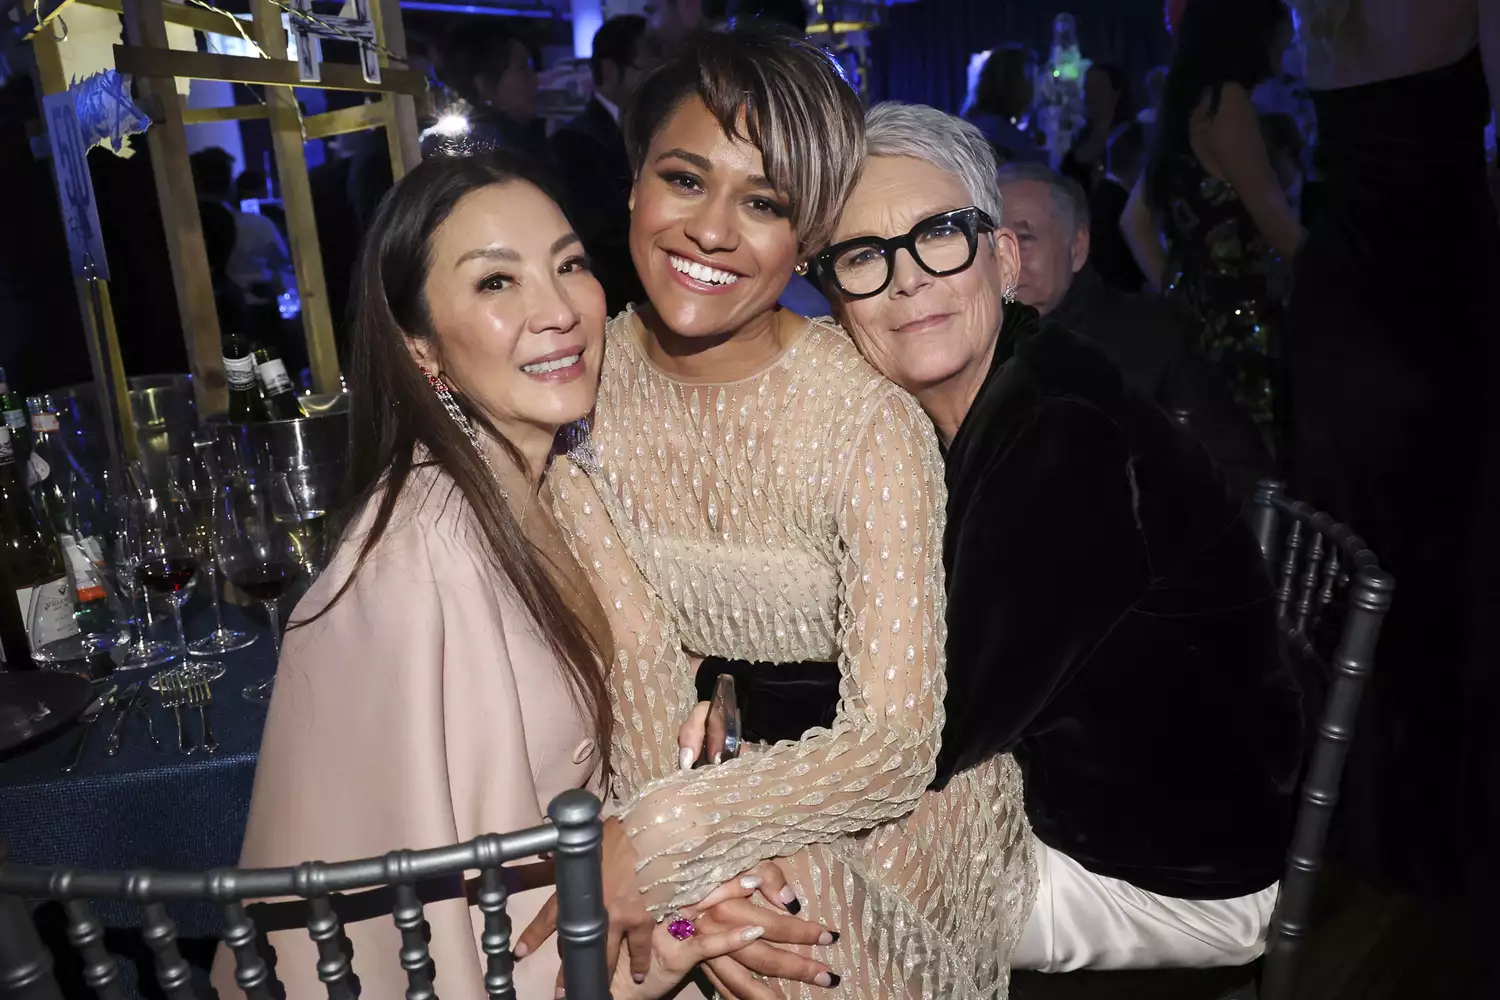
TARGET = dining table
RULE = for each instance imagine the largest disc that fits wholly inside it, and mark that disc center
(148, 805)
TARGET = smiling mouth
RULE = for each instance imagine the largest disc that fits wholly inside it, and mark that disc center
(923, 324)
(554, 365)
(714, 276)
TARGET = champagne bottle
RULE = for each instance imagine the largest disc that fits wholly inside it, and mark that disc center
(33, 561)
(13, 414)
(280, 396)
(239, 371)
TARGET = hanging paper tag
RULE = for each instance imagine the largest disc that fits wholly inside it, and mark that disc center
(106, 114)
(75, 187)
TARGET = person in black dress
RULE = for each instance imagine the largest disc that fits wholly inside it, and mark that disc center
(1211, 188)
(1394, 321)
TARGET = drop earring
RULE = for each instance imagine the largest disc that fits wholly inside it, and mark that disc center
(1009, 295)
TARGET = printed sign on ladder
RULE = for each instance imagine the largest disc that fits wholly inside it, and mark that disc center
(308, 29)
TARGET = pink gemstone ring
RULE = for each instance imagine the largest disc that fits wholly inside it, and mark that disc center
(681, 927)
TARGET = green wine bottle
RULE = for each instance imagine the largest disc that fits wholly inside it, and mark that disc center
(13, 414)
(33, 561)
(239, 371)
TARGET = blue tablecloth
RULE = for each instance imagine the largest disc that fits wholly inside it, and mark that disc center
(146, 807)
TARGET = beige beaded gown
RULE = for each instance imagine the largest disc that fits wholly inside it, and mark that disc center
(797, 515)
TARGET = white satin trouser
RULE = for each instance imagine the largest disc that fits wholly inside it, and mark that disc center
(1085, 921)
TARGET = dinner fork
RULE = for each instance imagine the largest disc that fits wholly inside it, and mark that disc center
(200, 696)
(174, 696)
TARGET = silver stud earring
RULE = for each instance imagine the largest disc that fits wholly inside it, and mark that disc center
(1009, 296)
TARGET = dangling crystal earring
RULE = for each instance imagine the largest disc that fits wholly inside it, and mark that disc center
(1009, 295)
(451, 405)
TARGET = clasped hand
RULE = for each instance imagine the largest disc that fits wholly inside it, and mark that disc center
(736, 937)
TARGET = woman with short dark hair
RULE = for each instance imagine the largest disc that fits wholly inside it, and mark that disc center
(786, 503)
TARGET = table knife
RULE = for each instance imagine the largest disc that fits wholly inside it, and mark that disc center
(123, 703)
(86, 721)
(140, 705)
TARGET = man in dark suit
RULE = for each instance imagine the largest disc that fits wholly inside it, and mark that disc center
(1148, 338)
(590, 153)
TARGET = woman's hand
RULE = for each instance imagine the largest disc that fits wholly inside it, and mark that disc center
(628, 919)
(733, 962)
(691, 735)
(735, 975)
(739, 941)
(672, 960)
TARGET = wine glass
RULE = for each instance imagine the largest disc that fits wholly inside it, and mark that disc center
(143, 652)
(292, 504)
(170, 554)
(195, 478)
(258, 553)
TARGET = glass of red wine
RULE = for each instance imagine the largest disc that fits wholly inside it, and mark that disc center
(259, 555)
(170, 554)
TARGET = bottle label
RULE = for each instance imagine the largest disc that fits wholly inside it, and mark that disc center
(37, 470)
(15, 419)
(7, 450)
(86, 580)
(273, 377)
(240, 372)
(49, 612)
(44, 423)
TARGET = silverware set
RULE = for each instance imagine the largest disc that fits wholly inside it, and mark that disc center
(188, 687)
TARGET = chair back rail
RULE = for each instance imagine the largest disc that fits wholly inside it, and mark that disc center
(1315, 562)
(575, 835)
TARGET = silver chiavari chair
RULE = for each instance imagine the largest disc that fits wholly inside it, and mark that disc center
(574, 836)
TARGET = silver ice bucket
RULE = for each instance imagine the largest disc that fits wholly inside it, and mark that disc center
(166, 419)
(311, 450)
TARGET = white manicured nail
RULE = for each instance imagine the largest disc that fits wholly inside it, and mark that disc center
(685, 759)
(751, 933)
(750, 882)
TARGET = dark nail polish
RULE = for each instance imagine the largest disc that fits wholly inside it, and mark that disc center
(795, 906)
(834, 979)
(835, 935)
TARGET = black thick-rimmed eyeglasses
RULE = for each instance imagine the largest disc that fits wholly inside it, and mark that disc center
(941, 245)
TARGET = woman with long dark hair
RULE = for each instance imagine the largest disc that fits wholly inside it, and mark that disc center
(444, 677)
(1211, 189)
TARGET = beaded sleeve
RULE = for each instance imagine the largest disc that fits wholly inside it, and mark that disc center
(695, 829)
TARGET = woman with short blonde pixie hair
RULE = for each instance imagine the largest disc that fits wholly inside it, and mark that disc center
(752, 489)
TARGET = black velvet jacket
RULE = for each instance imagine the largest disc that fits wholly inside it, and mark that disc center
(1110, 623)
